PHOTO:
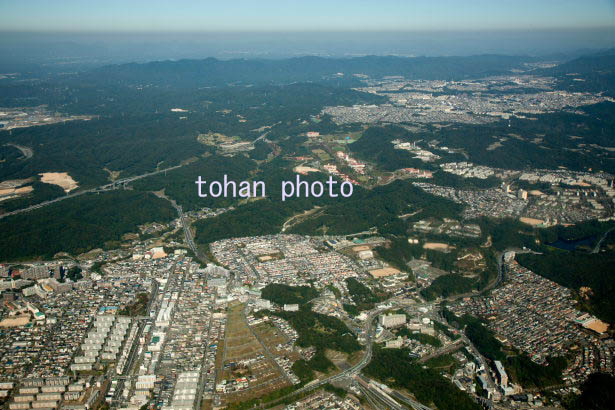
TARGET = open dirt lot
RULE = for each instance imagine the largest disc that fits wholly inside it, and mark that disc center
(61, 179)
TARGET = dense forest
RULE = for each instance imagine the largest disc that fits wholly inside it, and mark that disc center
(448, 285)
(284, 294)
(398, 252)
(532, 375)
(79, 224)
(129, 145)
(41, 192)
(134, 132)
(596, 70)
(380, 208)
(361, 295)
(597, 393)
(375, 146)
(478, 334)
(179, 184)
(321, 332)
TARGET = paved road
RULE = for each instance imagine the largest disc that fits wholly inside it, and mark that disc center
(379, 400)
(350, 372)
(101, 188)
(265, 348)
(599, 244)
(188, 233)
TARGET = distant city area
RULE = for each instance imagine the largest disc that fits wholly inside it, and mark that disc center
(472, 101)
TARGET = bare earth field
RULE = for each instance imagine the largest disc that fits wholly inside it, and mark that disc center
(61, 179)
(436, 246)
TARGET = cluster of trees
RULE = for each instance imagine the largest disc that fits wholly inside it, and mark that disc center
(375, 145)
(445, 362)
(130, 145)
(261, 151)
(338, 391)
(394, 367)
(420, 337)
(263, 216)
(282, 294)
(441, 328)
(589, 229)
(361, 295)
(41, 192)
(597, 393)
(304, 370)
(321, 331)
(443, 178)
(483, 338)
(399, 252)
(135, 131)
(74, 273)
(507, 232)
(365, 209)
(79, 224)
(595, 69)
(352, 310)
(532, 375)
(138, 307)
(448, 285)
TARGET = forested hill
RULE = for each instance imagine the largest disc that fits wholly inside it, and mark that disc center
(593, 73)
(213, 72)
(587, 64)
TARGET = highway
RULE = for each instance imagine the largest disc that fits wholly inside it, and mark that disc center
(187, 232)
(383, 393)
(102, 188)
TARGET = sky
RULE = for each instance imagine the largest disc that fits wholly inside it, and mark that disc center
(303, 15)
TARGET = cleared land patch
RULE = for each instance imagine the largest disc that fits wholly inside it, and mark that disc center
(61, 179)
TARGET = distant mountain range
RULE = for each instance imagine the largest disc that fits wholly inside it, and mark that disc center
(214, 72)
(597, 69)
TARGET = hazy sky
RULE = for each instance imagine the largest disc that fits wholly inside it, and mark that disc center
(302, 15)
